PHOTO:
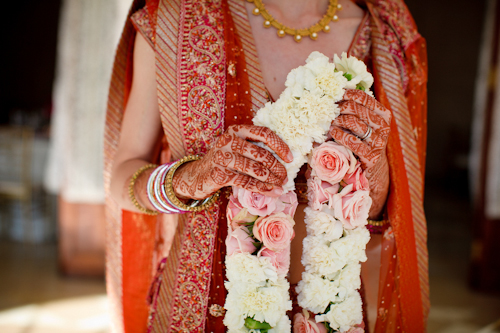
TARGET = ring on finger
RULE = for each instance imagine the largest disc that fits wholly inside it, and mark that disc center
(367, 134)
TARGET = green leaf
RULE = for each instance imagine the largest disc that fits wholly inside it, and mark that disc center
(348, 76)
(258, 246)
(359, 86)
(328, 328)
(251, 323)
(246, 224)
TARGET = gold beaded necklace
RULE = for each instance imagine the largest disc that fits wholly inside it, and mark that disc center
(298, 34)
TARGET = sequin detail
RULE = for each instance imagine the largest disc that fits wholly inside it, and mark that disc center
(201, 74)
(142, 23)
(216, 310)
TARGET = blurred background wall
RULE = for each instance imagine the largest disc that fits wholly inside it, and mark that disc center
(453, 30)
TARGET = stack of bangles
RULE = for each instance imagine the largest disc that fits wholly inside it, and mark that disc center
(161, 193)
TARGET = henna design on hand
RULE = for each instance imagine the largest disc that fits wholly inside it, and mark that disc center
(378, 177)
(358, 112)
(234, 161)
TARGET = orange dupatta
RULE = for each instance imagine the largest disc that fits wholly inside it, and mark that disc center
(400, 71)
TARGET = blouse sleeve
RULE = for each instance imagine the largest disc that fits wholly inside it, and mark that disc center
(143, 24)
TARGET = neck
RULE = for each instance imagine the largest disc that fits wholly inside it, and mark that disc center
(296, 11)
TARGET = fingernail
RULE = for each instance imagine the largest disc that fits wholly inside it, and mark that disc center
(285, 180)
(278, 191)
(290, 157)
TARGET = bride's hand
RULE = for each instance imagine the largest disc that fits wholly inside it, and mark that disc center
(358, 113)
(234, 161)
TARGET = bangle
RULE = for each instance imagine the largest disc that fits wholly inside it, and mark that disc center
(377, 227)
(374, 223)
(131, 193)
(154, 185)
(172, 198)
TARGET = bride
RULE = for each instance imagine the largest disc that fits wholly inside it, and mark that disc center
(187, 79)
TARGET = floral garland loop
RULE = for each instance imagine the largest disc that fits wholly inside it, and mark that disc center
(260, 228)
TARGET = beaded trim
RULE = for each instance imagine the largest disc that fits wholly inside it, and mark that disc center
(374, 223)
(377, 227)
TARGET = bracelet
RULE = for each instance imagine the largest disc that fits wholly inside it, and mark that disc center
(154, 185)
(377, 227)
(131, 193)
(172, 198)
(374, 223)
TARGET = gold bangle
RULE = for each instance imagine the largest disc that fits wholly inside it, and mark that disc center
(374, 223)
(131, 193)
(170, 191)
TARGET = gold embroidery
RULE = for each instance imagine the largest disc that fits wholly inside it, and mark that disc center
(216, 310)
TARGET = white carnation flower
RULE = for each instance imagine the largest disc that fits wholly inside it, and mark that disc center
(331, 82)
(316, 293)
(263, 303)
(344, 315)
(263, 116)
(316, 62)
(245, 267)
(283, 326)
(299, 79)
(348, 278)
(323, 257)
(292, 169)
(238, 330)
(303, 113)
(357, 69)
(359, 236)
(321, 223)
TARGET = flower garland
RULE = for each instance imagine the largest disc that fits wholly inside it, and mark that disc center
(261, 228)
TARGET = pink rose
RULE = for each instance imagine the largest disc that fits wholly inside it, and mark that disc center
(331, 162)
(358, 179)
(357, 328)
(256, 203)
(275, 231)
(237, 216)
(352, 208)
(280, 260)
(302, 324)
(233, 208)
(238, 241)
(290, 202)
(320, 192)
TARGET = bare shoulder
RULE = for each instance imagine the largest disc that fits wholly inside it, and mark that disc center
(351, 10)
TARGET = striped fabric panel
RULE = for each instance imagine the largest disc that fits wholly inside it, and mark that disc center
(167, 34)
(257, 87)
(391, 82)
(114, 116)
(161, 321)
(167, 38)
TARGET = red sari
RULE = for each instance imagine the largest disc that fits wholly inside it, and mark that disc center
(208, 78)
